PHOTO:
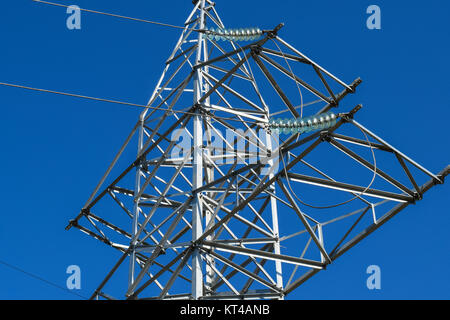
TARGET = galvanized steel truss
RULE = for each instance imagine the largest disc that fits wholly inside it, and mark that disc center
(205, 228)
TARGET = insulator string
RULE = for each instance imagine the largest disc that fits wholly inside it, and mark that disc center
(221, 34)
(303, 125)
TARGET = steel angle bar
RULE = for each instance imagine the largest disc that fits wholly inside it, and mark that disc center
(157, 90)
(180, 191)
(113, 270)
(150, 248)
(92, 234)
(284, 55)
(221, 190)
(254, 140)
(240, 110)
(234, 272)
(158, 274)
(305, 249)
(240, 269)
(224, 56)
(214, 20)
(349, 188)
(359, 142)
(373, 135)
(408, 173)
(226, 71)
(381, 221)
(156, 228)
(219, 205)
(350, 230)
(90, 220)
(129, 193)
(183, 53)
(263, 184)
(370, 166)
(263, 254)
(186, 59)
(124, 173)
(109, 225)
(179, 90)
(239, 218)
(325, 83)
(369, 230)
(221, 276)
(275, 85)
(224, 178)
(111, 166)
(158, 249)
(305, 222)
(298, 80)
(242, 68)
(247, 296)
(242, 113)
(312, 62)
(294, 285)
(247, 241)
(187, 31)
(110, 274)
(258, 215)
(121, 205)
(171, 297)
(220, 83)
(341, 96)
(141, 261)
(156, 167)
(256, 271)
(175, 274)
(331, 179)
(105, 296)
(179, 212)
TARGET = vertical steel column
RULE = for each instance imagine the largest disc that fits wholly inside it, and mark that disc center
(197, 208)
(137, 190)
(274, 209)
(209, 177)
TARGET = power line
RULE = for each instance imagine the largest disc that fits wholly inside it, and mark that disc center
(88, 97)
(107, 100)
(117, 16)
(41, 279)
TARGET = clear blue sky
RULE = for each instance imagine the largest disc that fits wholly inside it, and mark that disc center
(54, 149)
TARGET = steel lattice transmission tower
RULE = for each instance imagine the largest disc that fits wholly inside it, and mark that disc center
(199, 219)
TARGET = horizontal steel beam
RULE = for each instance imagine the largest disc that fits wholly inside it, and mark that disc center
(263, 254)
(349, 188)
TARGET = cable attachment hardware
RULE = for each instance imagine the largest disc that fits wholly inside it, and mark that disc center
(273, 33)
